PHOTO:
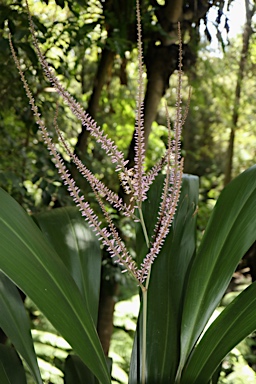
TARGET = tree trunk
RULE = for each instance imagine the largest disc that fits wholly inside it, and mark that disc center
(104, 68)
(240, 75)
(161, 61)
(108, 293)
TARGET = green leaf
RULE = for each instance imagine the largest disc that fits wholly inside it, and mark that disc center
(229, 234)
(29, 260)
(236, 322)
(3, 375)
(15, 323)
(76, 372)
(167, 282)
(4, 13)
(61, 3)
(78, 248)
(11, 368)
(30, 53)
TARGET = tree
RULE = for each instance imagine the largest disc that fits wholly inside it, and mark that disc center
(161, 51)
(248, 30)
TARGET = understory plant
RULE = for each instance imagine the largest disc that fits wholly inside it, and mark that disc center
(55, 258)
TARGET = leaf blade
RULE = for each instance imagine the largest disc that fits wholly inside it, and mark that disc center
(29, 260)
(79, 249)
(11, 368)
(230, 231)
(14, 322)
(167, 282)
(236, 322)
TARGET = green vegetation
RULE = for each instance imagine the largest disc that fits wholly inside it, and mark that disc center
(92, 47)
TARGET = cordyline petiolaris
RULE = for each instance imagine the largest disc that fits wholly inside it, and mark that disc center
(136, 181)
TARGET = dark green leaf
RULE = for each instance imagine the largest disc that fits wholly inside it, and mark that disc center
(229, 234)
(39, 25)
(30, 53)
(61, 3)
(15, 323)
(31, 262)
(81, 2)
(236, 322)
(3, 375)
(75, 371)
(78, 248)
(167, 282)
(11, 368)
(4, 13)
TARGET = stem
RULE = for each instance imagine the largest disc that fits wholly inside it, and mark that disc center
(144, 329)
(144, 303)
(144, 335)
(143, 225)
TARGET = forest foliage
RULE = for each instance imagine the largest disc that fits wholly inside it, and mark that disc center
(75, 37)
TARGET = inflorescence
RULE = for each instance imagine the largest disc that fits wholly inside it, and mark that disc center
(135, 182)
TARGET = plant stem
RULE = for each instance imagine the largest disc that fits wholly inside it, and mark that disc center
(144, 303)
(143, 226)
(144, 335)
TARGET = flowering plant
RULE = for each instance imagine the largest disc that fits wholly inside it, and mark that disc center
(180, 287)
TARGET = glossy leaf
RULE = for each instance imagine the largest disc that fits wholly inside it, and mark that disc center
(229, 234)
(167, 283)
(31, 262)
(236, 322)
(15, 323)
(11, 368)
(78, 248)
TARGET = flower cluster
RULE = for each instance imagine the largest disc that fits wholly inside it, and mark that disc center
(135, 181)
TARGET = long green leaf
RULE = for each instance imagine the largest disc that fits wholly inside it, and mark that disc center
(31, 262)
(236, 322)
(79, 249)
(3, 375)
(76, 372)
(11, 368)
(15, 323)
(229, 234)
(167, 282)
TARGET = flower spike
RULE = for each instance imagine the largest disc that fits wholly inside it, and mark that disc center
(139, 159)
(94, 182)
(117, 157)
(135, 181)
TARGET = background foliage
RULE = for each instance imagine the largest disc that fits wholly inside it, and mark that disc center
(75, 36)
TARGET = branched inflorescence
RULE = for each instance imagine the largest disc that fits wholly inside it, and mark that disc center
(135, 181)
